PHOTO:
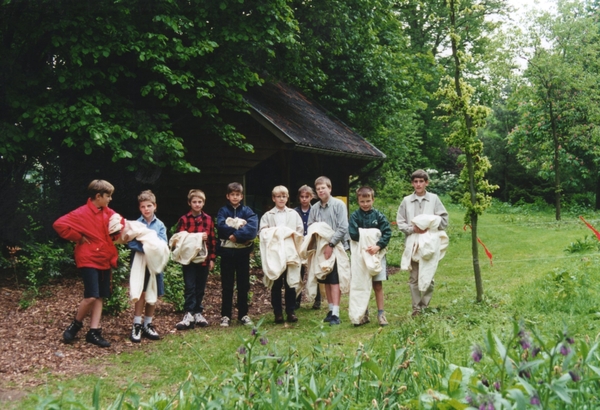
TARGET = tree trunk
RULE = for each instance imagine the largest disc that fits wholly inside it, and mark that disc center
(474, 247)
(557, 184)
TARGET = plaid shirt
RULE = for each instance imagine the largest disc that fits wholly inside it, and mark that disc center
(201, 223)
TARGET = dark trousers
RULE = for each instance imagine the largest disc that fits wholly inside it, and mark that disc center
(299, 298)
(235, 270)
(194, 279)
(290, 295)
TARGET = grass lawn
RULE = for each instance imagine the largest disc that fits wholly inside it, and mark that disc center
(532, 279)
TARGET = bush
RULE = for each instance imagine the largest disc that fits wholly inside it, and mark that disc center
(174, 286)
(119, 299)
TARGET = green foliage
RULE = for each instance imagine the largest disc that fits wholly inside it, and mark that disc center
(36, 262)
(528, 370)
(174, 286)
(119, 298)
(588, 243)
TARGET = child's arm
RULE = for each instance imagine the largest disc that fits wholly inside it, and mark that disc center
(223, 230)
(63, 228)
(211, 245)
(440, 210)
(353, 227)
(249, 231)
(386, 231)
(162, 231)
(405, 227)
(264, 222)
(299, 224)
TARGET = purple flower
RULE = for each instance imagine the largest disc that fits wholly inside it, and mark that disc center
(487, 406)
(254, 330)
(497, 386)
(242, 350)
(535, 401)
(485, 382)
(476, 353)
(564, 350)
(524, 374)
(570, 340)
(469, 399)
(264, 341)
(279, 382)
(524, 342)
(536, 350)
(574, 375)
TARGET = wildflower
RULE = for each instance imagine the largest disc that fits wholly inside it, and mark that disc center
(564, 350)
(242, 350)
(524, 374)
(476, 353)
(570, 340)
(535, 401)
(536, 350)
(574, 375)
(254, 330)
(264, 341)
(524, 341)
(497, 386)
(485, 382)
(279, 382)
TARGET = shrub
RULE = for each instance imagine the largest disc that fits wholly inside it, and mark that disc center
(174, 286)
(119, 299)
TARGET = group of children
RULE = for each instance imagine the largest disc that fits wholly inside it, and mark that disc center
(308, 244)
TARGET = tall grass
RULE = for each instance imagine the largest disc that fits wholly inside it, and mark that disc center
(534, 286)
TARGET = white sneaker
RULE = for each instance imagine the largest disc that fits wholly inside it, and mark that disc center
(246, 321)
(224, 321)
(200, 320)
(136, 333)
(149, 331)
(187, 322)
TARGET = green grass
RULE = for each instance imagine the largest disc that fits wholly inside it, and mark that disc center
(532, 280)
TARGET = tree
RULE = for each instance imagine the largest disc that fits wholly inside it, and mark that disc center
(558, 103)
(465, 119)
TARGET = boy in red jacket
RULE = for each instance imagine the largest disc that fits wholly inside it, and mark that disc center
(95, 255)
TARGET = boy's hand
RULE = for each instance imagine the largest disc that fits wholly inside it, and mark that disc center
(416, 229)
(204, 236)
(232, 238)
(211, 265)
(328, 252)
(373, 249)
(83, 240)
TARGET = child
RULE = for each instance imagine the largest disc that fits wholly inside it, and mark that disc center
(418, 203)
(369, 218)
(195, 274)
(237, 227)
(282, 216)
(334, 213)
(305, 195)
(95, 255)
(147, 205)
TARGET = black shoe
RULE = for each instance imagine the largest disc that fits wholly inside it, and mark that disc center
(316, 305)
(71, 332)
(94, 336)
(292, 318)
(149, 332)
(278, 318)
(328, 317)
(335, 320)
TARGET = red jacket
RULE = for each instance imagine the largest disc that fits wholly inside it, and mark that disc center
(92, 222)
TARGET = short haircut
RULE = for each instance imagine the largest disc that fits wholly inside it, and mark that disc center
(100, 186)
(235, 187)
(196, 193)
(365, 191)
(147, 195)
(419, 173)
(306, 188)
(323, 180)
(280, 190)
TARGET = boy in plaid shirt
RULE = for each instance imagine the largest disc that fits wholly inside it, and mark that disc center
(196, 274)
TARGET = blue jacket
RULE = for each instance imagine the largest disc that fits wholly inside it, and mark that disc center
(245, 234)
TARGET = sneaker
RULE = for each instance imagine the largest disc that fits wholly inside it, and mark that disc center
(200, 320)
(292, 318)
(94, 336)
(246, 321)
(149, 331)
(335, 320)
(382, 320)
(136, 333)
(328, 317)
(364, 320)
(316, 305)
(416, 313)
(224, 321)
(71, 332)
(187, 322)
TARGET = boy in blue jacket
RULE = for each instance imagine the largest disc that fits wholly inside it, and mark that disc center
(237, 226)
